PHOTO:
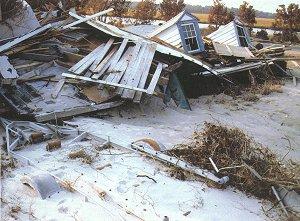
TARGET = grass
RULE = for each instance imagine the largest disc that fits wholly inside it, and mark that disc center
(261, 22)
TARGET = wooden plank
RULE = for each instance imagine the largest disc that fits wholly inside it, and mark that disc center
(87, 18)
(104, 62)
(118, 55)
(120, 67)
(140, 77)
(102, 82)
(137, 97)
(153, 83)
(88, 63)
(136, 71)
(23, 38)
(86, 58)
(130, 67)
(101, 54)
(59, 85)
(76, 111)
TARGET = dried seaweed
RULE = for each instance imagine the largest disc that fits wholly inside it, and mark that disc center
(251, 167)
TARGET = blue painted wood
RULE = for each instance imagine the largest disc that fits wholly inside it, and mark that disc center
(175, 91)
(198, 34)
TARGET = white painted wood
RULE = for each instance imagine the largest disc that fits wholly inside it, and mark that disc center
(23, 38)
(169, 33)
(121, 67)
(137, 71)
(86, 58)
(118, 54)
(90, 61)
(166, 25)
(129, 70)
(74, 76)
(137, 97)
(101, 54)
(87, 18)
(114, 67)
(154, 80)
(104, 62)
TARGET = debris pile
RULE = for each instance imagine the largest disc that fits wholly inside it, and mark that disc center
(251, 168)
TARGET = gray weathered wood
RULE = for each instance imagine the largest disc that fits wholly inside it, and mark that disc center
(76, 111)
(86, 59)
(23, 38)
(102, 82)
(154, 80)
(145, 74)
(118, 55)
(101, 54)
(59, 85)
(104, 62)
(129, 69)
(120, 67)
(136, 72)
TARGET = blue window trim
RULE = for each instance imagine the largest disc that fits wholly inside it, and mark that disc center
(198, 36)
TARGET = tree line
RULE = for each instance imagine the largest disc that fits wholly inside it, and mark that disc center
(287, 18)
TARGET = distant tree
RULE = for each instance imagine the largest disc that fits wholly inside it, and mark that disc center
(120, 7)
(247, 14)
(219, 14)
(262, 34)
(288, 21)
(171, 8)
(145, 11)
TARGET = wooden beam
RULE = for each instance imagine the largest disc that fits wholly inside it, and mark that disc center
(58, 88)
(86, 61)
(87, 18)
(101, 54)
(138, 95)
(154, 80)
(103, 82)
(23, 38)
(128, 71)
(76, 111)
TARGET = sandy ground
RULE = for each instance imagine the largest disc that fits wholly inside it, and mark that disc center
(271, 121)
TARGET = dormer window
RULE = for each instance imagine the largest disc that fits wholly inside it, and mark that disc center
(242, 36)
(190, 37)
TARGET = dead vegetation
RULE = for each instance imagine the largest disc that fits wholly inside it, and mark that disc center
(252, 168)
(254, 92)
(11, 8)
(7, 162)
(86, 158)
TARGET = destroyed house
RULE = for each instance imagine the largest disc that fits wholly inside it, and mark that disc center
(234, 33)
(183, 32)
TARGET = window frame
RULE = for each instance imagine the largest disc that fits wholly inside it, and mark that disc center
(245, 37)
(197, 31)
(183, 26)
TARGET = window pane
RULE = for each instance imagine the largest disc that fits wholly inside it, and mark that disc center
(192, 27)
(194, 45)
(243, 42)
(240, 31)
(193, 34)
